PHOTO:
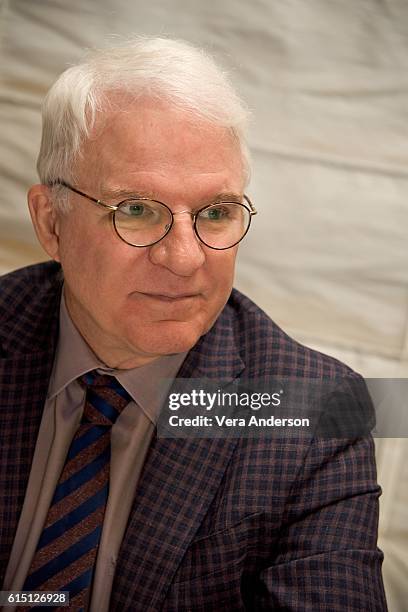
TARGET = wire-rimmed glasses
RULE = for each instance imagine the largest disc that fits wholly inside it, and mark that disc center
(142, 222)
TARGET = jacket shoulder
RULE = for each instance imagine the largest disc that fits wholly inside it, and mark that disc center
(36, 273)
(29, 306)
(269, 351)
(16, 285)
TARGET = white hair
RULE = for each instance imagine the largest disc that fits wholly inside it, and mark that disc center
(159, 68)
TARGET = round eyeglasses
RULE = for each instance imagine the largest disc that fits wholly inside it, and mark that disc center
(142, 222)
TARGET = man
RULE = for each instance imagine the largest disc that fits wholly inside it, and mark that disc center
(141, 207)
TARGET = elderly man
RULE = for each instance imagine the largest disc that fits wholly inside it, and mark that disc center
(141, 206)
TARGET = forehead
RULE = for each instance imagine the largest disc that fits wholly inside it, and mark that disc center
(151, 141)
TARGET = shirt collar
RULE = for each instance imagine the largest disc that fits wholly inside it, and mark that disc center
(148, 385)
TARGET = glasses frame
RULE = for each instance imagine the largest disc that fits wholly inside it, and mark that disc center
(114, 207)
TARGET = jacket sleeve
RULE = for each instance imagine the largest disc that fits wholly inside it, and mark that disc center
(327, 556)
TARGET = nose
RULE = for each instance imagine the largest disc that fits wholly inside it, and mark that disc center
(180, 251)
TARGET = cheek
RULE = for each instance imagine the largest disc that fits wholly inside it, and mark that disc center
(221, 275)
(85, 259)
(87, 247)
(222, 266)
(74, 236)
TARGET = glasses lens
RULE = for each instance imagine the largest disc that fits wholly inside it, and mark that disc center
(222, 225)
(142, 222)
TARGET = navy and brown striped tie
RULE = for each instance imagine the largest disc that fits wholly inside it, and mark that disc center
(66, 552)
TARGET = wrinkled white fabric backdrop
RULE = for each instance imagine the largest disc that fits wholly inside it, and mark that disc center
(328, 86)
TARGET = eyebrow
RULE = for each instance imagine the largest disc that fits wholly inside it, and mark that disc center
(125, 194)
(113, 193)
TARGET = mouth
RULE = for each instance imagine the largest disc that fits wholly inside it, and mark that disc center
(170, 297)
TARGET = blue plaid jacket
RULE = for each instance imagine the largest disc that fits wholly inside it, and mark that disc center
(216, 524)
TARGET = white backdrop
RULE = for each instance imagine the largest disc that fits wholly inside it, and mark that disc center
(327, 82)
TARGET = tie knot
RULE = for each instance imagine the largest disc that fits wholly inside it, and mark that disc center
(105, 398)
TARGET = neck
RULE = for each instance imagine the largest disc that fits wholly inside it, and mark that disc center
(110, 352)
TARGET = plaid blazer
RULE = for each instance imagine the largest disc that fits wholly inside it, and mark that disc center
(216, 524)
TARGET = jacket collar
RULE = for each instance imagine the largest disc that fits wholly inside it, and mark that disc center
(217, 354)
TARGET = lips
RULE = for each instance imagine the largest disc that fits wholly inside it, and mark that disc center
(169, 297)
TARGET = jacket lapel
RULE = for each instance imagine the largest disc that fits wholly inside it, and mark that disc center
(179, 481)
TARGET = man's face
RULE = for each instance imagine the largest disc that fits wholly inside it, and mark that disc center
(133, 304)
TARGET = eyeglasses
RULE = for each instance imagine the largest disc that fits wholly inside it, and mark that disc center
(142, 222)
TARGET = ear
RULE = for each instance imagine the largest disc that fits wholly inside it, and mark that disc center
(45, 219)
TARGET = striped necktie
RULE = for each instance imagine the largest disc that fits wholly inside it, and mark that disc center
(66, 552)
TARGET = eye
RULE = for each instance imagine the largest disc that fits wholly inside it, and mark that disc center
(136, 208)
(147, 211)
(215, 213)
(142, 213)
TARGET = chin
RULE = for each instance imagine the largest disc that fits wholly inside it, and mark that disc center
(169, 337)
